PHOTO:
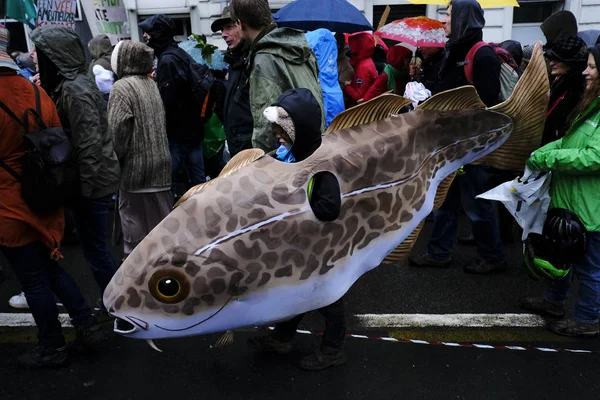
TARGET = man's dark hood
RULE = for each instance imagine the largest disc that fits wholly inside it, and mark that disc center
(559, 24)
(305, 112)
(161, 29)
(467, 23)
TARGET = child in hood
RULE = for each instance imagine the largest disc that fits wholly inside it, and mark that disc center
(395, 75)
(362, 46)
(296, 123)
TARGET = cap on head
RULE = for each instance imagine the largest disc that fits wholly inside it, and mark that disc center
(217, 25)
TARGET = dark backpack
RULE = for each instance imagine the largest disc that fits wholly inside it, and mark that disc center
(509, 75)
(48, 179)
(199, 79)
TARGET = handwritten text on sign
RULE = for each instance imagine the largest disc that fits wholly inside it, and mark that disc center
(61, 12)
(107, 17)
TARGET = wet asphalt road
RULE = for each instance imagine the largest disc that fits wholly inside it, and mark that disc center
(188, 368)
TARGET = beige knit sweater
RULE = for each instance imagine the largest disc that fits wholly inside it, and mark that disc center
(136, 119)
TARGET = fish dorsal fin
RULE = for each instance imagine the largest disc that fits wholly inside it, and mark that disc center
(240, 160)
(462, 98)
(527, 107)
(376, 109)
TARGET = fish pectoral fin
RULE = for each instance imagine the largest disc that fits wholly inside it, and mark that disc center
(462, 98)
(225, 340)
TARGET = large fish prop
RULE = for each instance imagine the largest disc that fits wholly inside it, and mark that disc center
(247, 250)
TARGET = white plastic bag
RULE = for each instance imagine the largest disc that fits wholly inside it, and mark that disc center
(526, 198)
(416, 92)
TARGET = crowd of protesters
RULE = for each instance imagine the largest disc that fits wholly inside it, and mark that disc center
(135, 124)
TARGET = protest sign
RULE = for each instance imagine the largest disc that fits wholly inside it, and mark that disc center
(107, 17)
(57, 12)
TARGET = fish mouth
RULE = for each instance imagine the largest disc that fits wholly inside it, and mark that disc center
(197, 323)
(133, 325)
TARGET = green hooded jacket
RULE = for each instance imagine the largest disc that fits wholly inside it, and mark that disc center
(575, 164)
(81, 110)
(280, 59)
(100, 49)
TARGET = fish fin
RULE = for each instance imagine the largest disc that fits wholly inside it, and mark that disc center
(401, 252)
(225, 340)
(462, 98)
(153, 345)
(240, 160)
(376, 109)
(527, 107)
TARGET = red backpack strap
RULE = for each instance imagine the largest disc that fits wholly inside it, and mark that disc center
(469, 60)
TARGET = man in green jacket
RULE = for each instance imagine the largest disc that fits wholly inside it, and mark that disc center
(82, 113)
(574, 162)
(280, 59)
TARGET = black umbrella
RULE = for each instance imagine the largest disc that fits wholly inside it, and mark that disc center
(310, 15)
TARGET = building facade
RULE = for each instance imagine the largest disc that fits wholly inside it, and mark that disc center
(521, 23)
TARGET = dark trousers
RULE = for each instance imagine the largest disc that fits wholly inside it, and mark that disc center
(462, 193)
(191, 157)
(335, 326)
(91, 221)
(40, 277)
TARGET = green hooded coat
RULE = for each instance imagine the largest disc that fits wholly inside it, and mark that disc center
(280, 59)
(81, 110)
(575, 164)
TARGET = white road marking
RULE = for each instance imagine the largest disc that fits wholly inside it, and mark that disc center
(17, 320)
(449, 320)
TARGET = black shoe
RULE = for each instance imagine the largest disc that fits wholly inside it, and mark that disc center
(44, 357)
(467, 240)
(323, 358)
(572, 328)
(425, 260)
(266, 344)
(543, 307)
(89, 338)
(481, 267)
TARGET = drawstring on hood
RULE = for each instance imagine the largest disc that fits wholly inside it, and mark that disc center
(467, 23)
(161, 29)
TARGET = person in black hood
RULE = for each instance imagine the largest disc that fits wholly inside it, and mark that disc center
(185, 124)
(464, 28)
(296, 121)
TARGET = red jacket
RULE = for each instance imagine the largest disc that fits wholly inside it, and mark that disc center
(362, 45)
(396, 57)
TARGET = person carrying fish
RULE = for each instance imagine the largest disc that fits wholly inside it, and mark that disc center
(295, 119)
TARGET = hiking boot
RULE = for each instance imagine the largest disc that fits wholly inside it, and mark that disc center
(44, 357)
(323, 358)
(88, 338)
(573, 328)
(426, 260)
(266, 344)
(543, 307)
(481, 267)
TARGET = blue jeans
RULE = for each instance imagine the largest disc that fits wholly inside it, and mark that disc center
(91, 221)
(587, 308)
(193, 159)
(481, 213)
(40, 277)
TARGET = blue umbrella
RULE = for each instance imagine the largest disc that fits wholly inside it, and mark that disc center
(310, 15)
(589, 37)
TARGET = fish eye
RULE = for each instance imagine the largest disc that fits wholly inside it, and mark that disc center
(169, 286)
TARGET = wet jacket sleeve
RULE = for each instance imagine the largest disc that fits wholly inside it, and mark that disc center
(86, 136)
(366, 73)
(379, 87)
(486, 75)
(585, 161)
(326, 201)
(263, 93)
(120, 123)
